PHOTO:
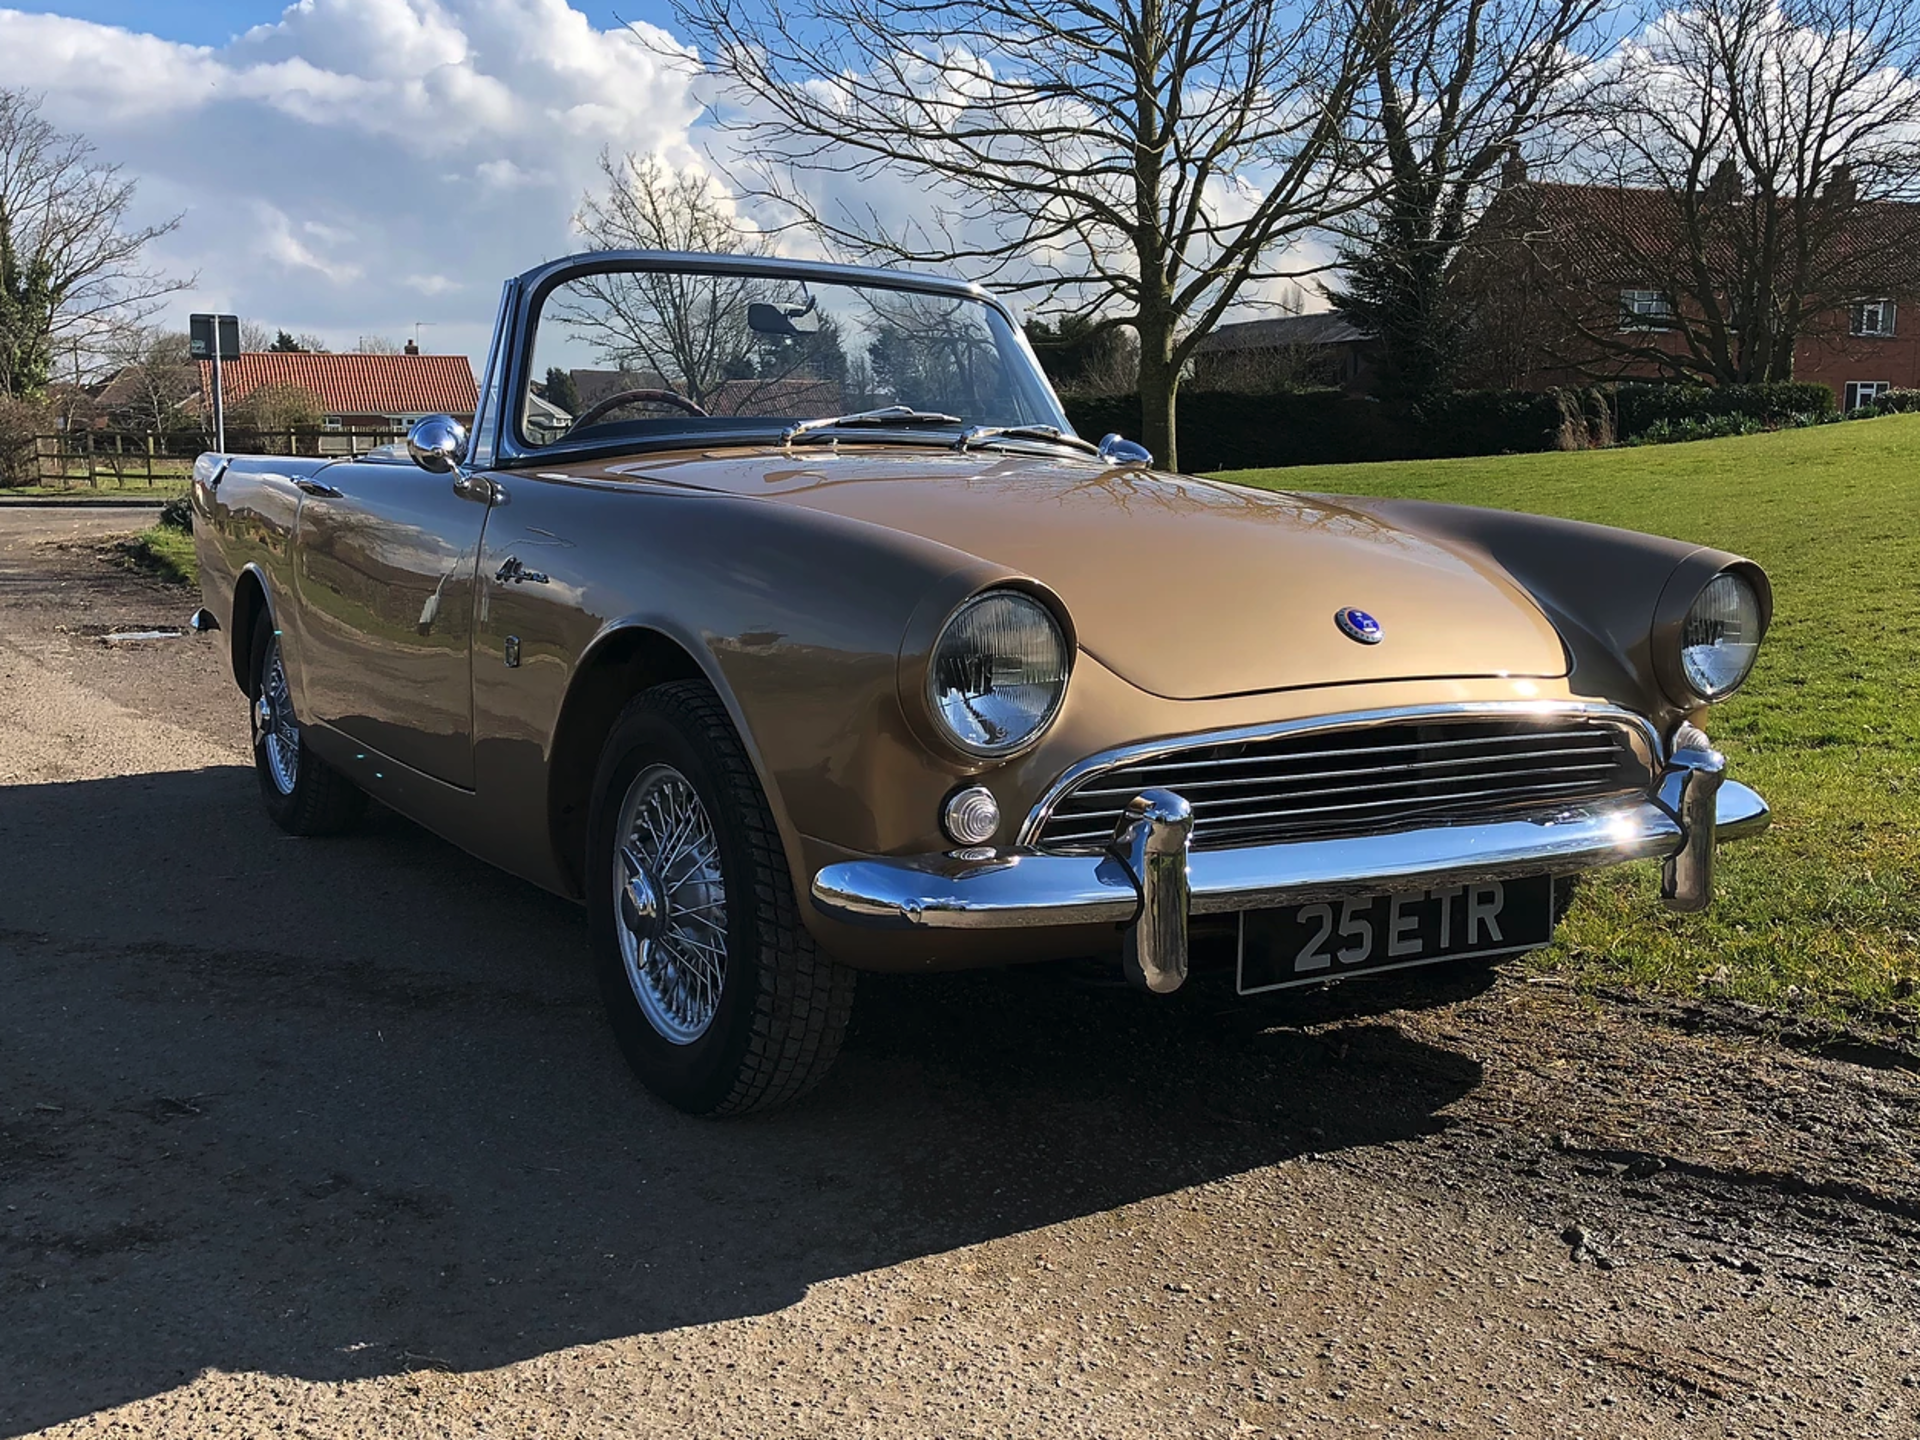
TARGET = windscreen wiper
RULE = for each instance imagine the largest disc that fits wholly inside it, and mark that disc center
(887, 415)
(983, 434)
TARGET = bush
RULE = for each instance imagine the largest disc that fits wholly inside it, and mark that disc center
(1889, 402)
(177, 514)
(1226, 430)
(1702, 427)
(20, 422)
(1771, 407)
(1489, 422)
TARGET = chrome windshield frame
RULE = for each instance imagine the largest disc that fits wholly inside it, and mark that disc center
(526, 294)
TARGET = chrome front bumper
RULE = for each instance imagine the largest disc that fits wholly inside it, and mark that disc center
(1150, 880)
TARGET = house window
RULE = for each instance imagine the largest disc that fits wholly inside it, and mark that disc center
(1872, 317)
(330, 422)
(1645, 310)
(1861, 392)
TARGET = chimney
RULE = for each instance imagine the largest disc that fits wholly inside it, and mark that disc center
(1725, 184)
(1841, 189)
(1514, 170)
(413, 347)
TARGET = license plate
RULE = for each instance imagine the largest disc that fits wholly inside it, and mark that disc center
(1309, 944)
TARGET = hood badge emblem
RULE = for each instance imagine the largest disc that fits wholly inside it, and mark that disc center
(1358, 625)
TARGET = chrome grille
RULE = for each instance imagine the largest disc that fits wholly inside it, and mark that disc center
(1362, 780)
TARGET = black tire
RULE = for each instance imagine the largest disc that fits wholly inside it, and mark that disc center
(783, 1007)
(319, 800)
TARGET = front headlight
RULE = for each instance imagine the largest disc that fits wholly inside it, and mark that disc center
(998, 673)
(1720, 638)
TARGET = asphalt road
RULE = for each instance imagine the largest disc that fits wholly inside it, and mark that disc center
(328, 1138)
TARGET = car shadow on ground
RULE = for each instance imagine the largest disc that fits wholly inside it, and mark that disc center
(343, 1108)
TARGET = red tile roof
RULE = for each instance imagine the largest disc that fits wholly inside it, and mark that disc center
(1611, 232)
(355, 384)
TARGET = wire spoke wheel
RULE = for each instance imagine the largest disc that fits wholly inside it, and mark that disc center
(670, 896)
(273, 723)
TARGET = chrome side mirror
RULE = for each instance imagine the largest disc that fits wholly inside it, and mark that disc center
(1118, 450)
(437, 443)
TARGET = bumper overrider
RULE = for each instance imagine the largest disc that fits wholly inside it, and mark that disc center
(1150, 880)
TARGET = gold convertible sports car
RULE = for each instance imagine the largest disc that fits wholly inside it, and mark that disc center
(775, 611)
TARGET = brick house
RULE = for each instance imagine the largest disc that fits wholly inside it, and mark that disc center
(356, 392)
(1566, 280)
(1257, 356)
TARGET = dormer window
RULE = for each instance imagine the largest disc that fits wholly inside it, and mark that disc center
(1873, 318)
(1645, 310)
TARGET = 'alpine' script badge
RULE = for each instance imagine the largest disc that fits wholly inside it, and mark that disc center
(1358, 625)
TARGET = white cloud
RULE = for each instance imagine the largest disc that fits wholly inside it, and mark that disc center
(359, 165)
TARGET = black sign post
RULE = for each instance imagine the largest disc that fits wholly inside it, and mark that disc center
(215, 338)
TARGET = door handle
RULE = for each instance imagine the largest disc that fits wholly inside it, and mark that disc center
(314, 487)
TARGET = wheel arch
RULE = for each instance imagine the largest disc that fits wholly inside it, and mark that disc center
(617, 666)
(251, 599)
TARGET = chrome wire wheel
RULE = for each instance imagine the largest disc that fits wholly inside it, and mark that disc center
(670, 899)
(273, 723)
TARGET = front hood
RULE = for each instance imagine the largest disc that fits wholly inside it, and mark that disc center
(1189, 589)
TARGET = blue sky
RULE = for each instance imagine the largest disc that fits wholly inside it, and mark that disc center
(354, 167)
(214, 22)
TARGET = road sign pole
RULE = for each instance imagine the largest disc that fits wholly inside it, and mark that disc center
(219, 407)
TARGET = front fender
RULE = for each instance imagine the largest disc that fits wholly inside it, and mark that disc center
(1617, 597)
(795, 617)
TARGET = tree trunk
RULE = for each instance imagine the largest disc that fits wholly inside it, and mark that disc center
(1159, 384)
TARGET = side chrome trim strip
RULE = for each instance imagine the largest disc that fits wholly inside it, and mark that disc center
(1113, 759)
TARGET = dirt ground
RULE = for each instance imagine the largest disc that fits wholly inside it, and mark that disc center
(328, 1138)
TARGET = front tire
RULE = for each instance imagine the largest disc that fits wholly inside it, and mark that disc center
(717, 996)
(303, 794)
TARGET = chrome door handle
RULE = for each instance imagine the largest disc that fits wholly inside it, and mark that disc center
(314, 487)
(475, 487)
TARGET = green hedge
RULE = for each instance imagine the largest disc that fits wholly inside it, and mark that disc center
(1220, 430)
(1232, 431)
(1792, 402)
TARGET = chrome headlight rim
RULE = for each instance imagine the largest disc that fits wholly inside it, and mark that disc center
(1679, 603)
(1047, 607)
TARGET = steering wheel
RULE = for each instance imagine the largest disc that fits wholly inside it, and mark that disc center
(627, 397)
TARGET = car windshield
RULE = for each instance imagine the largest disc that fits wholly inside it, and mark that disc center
(633, 354)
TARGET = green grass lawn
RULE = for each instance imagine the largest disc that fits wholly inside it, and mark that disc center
(164, 487)
(167, 553)
(1822, 914)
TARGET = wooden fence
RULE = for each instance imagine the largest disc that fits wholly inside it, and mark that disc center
(119, 460)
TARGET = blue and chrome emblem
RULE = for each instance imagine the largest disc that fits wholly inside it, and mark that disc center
(1358, 625)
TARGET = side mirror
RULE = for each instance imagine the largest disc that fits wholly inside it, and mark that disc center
(437, 443)
(765, 319)
(1118, 450)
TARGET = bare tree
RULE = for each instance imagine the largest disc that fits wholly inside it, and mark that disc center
(156, 375)
(269, 408)
(1752, 154)
(1455, 86)
(1146, 163)
(71, 271)
(689, 330)
(377, 345)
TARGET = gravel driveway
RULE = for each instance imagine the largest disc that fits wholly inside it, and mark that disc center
(328, 1138)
